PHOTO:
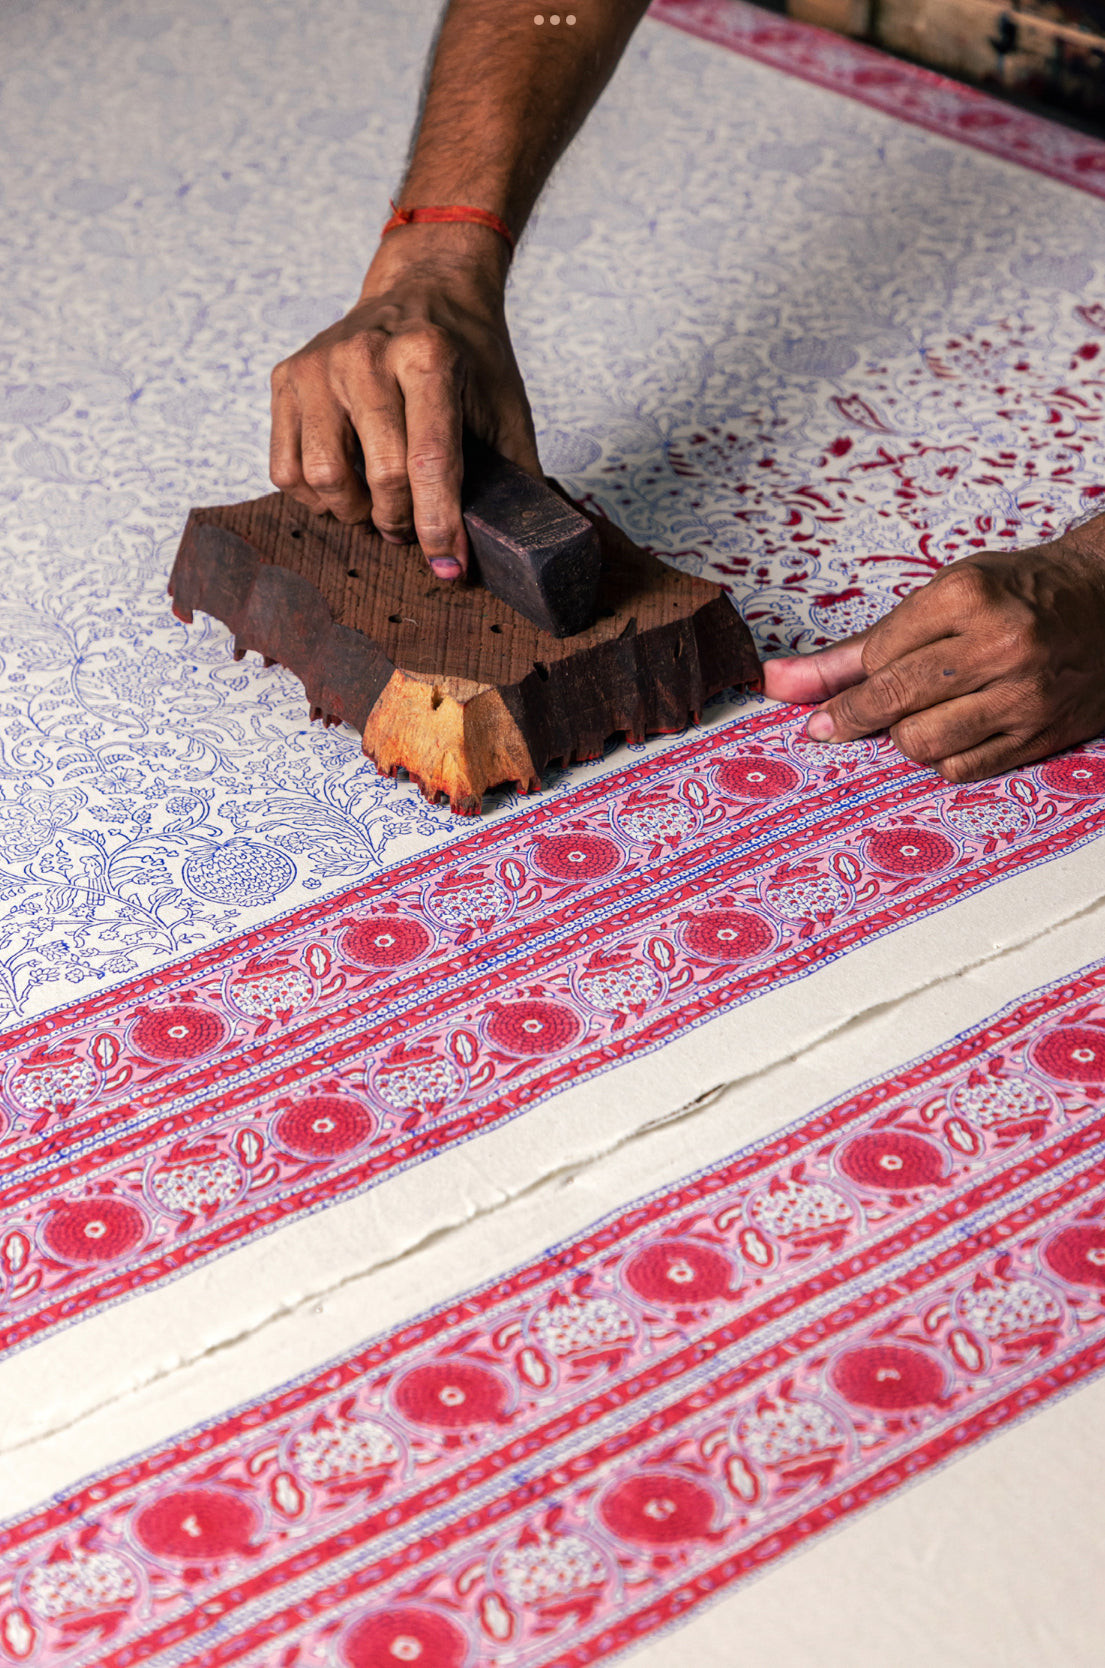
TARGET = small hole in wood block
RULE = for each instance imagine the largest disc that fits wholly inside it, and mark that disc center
(353, 574)
(677, 652)
(542, 670)
(295, 533)
(496, 628)
(436, 699)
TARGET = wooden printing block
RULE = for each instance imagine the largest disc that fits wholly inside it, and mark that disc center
(445, 680)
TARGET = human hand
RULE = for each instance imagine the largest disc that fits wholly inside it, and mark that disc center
(367, 417)
(998, 661)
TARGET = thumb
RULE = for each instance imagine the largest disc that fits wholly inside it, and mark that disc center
(808, 678)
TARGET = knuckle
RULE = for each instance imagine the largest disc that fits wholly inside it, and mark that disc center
(966, 585)
(284, 475)
(325, 474)
(431, 352)
(917, 740)
(429, 465)
(959, 768)
(390, 479)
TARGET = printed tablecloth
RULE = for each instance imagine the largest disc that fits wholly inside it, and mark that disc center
(497, 1244)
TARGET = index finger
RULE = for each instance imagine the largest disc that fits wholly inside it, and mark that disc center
(925, 616)
(435, 469)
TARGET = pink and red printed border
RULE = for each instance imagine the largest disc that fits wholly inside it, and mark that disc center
(905, 91)
(171, 1120)
(548, 1469)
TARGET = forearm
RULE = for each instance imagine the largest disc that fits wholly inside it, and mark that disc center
(505, 97)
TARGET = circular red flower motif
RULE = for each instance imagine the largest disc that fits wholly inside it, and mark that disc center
(751, 778)
(385, 940)
(889, 1377)
(182, 1031)
(198, 1525)
(324, 1126)
(404, 1633)
(727, 935)
(1078, 775)
(910, 851)
(1072, 1053)
(659, 1508)
(1077, 1254)
(452, 1394)
(575, 856)
(894, 1160)
(93, 1230)
(533, 1027)
(679, 1272)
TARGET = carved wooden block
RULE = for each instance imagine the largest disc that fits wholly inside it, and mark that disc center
(446, 681)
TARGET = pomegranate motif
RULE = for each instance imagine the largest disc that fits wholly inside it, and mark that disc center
(90, 1231)
(1072, 1053)
(893, 1159)
(86, 1581)
(324, 1126)
(1077, 1254)
(727, 935)
(659, 1508)
(452, 1394)
(533, 1027)
(582, 1324)
(180, 1031)
(552, 1567)
(198, 1525)
(268, 996)
(1080, 775)
(679, 1272)
(343, 1448)
(419, 1085)
(748, 777)
(788, 1430)
(621, 989)
(385, 941)
(239, 871)
(197, 1186)
(54, 1088)
(1000, 1100)
(1010, 1307)
(910, 851)
(581, 857)
(891, 1378)
(404, 1633)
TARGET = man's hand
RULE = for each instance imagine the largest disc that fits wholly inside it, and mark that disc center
(998, 661)
(367, 418)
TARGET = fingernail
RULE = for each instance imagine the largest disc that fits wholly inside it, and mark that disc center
(445, 567)
(820, 727)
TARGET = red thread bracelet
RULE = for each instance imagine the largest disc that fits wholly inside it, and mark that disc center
(446, 215)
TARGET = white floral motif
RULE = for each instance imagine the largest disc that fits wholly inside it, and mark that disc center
(659, 822)
(47, 1087)
(995, 816)
(787, 1430)
(274, 994)
(999, 1100)
(419, 1085)
(619, 989)
(467, 906)
(555, 1565)
(343, 1448)
(1015, 1306)
(582, 1323)
(799, 1208)
(798, 899)
(201, 1185)
(87, 1581)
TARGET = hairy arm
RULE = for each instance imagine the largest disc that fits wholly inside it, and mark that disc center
(426, 349)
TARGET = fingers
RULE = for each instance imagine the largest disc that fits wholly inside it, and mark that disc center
(807, 678)
(312, 451)
(927, 678)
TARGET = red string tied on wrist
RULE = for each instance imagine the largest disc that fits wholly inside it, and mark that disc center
(448, 214)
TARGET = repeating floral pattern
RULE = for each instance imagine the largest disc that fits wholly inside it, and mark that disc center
(549, 1468)
(169, 1121)
(812, 349)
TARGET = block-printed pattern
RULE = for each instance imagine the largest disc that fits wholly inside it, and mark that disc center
(549, 1468)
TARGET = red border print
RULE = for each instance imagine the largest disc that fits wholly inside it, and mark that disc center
(904, 91)
(189, 1118)
(547, 1469)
